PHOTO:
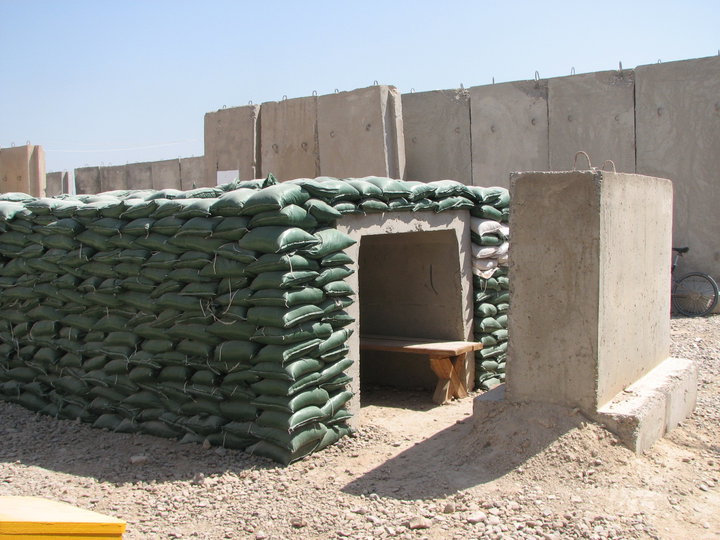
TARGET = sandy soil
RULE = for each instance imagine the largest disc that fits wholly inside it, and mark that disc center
(414, 470)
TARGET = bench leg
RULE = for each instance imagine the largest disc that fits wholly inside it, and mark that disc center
(450, 384)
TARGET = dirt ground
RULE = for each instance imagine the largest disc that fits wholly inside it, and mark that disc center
(414, 470)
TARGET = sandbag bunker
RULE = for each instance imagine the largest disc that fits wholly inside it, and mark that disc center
(216, 314)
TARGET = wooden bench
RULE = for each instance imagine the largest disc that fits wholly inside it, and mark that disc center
(455, 369)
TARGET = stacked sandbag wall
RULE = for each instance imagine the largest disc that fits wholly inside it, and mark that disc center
(490, 236)
(214, 314)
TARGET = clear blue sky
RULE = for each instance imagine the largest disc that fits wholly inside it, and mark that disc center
(109, 82)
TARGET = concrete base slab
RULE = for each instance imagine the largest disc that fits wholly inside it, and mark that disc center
(655, 404)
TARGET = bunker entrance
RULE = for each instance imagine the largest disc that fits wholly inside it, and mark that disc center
(409, 287)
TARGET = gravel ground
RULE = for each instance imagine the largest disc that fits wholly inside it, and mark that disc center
(414, 470)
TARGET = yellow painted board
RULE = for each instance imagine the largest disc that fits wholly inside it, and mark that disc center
(37, 516)
(60, 537)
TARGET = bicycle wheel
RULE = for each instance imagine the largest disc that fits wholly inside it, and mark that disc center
(695, 294)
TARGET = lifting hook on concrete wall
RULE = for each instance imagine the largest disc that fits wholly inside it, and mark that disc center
(375, 83)
(620, 65)
(572, 70)
(337, 91)
(611, 162)
(314, 93)
(581, 153)
(284, 98)
(250, 102)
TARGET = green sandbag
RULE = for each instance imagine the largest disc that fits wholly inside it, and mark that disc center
(289, 216)
(485, 310)
(486, 211)
(328, 189)
(328, 241)
(235, 352)
(454, 203)
(289, 421)
(194, 208)
(346, 207)
(232, 202)
(282, 279)
(274, 198)
(336, 402)
(277, 240)
(338, 288)
(201, 290)
(338, 319)
(283, 354)
(161, 260)
(277, 387)
(322, 211)
(231, 330)
(198, 226)
(274, 262)
(193, 259)
(290, 441)
(390, 188)
(167, 226)
(65, 226)
(238, 410)
(364, 188)
(138, 227)
(338, 258)
(9, 210)
(196, 243)
(158, 242)
(291, 371)
(335, 340)
(138, 208)
(334, 273)
(232, 251)
(373, 205)
(287, 298)
(282, 318)
(221, 267)
(302, 332)
(315, 396)
(231, 228)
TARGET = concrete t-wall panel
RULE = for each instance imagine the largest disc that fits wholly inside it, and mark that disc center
(112, 178)
(595, 113)
(509, 130)
(357, 227)
(554, 285)
(634, 296)
(288, 139)
(87, 180)
(678, 137)
(193, 174)
(437, 136)
(165, 174)
(139, 176)
(231, 142)
(22, 169)
(589, 279)
(54, 183)
(360, 133)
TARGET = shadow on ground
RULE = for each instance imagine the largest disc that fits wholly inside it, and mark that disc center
(79, 449)
(473, 451)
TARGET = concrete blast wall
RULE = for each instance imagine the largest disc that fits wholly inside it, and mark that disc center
(437, 136)
(360, 133)
(22, 168)
(289, 138)
(56, 183)
(597, 245)
(678, 137)
(509, 130)
(231, 142)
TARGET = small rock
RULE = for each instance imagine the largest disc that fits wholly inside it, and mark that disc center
(419, 522)
(207, 445)
(298, 522)
(260, 535)
(138, 460)
(477, 517)
(449, 508)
